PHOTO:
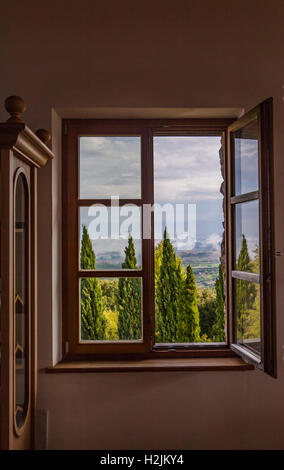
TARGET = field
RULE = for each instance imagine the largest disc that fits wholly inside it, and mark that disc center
(204, 264)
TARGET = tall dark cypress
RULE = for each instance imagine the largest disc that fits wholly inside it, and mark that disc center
(188, 318)
(218, 329)
(129, 298)
(93, 322)
(168, 294)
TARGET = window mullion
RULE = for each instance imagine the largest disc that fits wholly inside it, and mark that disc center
(245, 276)
(108, 202)
(246, 197)
(111, 273)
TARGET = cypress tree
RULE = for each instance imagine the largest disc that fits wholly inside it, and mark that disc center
(245, 290)
(188, 319)
(157, 267)
(129, 298)
(167, 294)
(218, 329)
(158, 261)
(87, 255)
(93, 322)
(244, 261)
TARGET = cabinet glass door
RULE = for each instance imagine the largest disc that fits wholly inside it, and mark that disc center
(21, 308)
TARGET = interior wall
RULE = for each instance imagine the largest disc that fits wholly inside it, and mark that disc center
(188, 53)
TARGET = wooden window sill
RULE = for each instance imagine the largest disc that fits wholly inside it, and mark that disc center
(151, 365)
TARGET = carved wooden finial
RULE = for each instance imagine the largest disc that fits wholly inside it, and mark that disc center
(15, 106)
(43, 135)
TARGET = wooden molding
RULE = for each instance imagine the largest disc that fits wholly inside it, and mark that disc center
(17, 136)
(154, 365)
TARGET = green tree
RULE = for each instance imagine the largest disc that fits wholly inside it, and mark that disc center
(129, 298)
(218, 329)
(93, 322)
(245, 291)
(109, 298)
(87, 255)
(188, 330)
(253, 326)
(111, 327)
(244, 262)
(109, 289)
(168, 294)
(206, 302)
(158, 261)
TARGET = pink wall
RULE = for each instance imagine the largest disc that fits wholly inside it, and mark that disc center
(148, 54)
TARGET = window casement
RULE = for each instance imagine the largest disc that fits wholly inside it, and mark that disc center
(93, 176)
(250, 214)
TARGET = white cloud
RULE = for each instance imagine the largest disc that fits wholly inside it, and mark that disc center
(110, 166)
(187, 168)
(214, 240)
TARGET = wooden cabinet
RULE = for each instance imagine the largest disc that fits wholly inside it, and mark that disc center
(22, 153)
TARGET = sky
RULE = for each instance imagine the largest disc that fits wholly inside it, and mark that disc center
(186, 171)
(110, 166)
(246, 158)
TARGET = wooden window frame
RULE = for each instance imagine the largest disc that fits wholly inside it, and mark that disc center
(147, 129)
(266, 277)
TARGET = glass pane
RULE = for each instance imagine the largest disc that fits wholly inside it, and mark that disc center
(110, 166)
(111, 309)
(246, 158)
(110, 238)
(247, 237)
(247, 308)
(189, 289)
(21, 302)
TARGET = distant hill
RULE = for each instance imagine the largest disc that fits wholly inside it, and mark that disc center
(204, 265)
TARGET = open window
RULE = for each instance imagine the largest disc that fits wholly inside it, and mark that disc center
(250, 237)
(132, 293)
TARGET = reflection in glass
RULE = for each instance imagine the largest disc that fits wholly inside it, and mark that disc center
(247, 308)
(111, 309)
(247, 236)
(110, 166)
(105, 235)
(21, 301)
(246, 158)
